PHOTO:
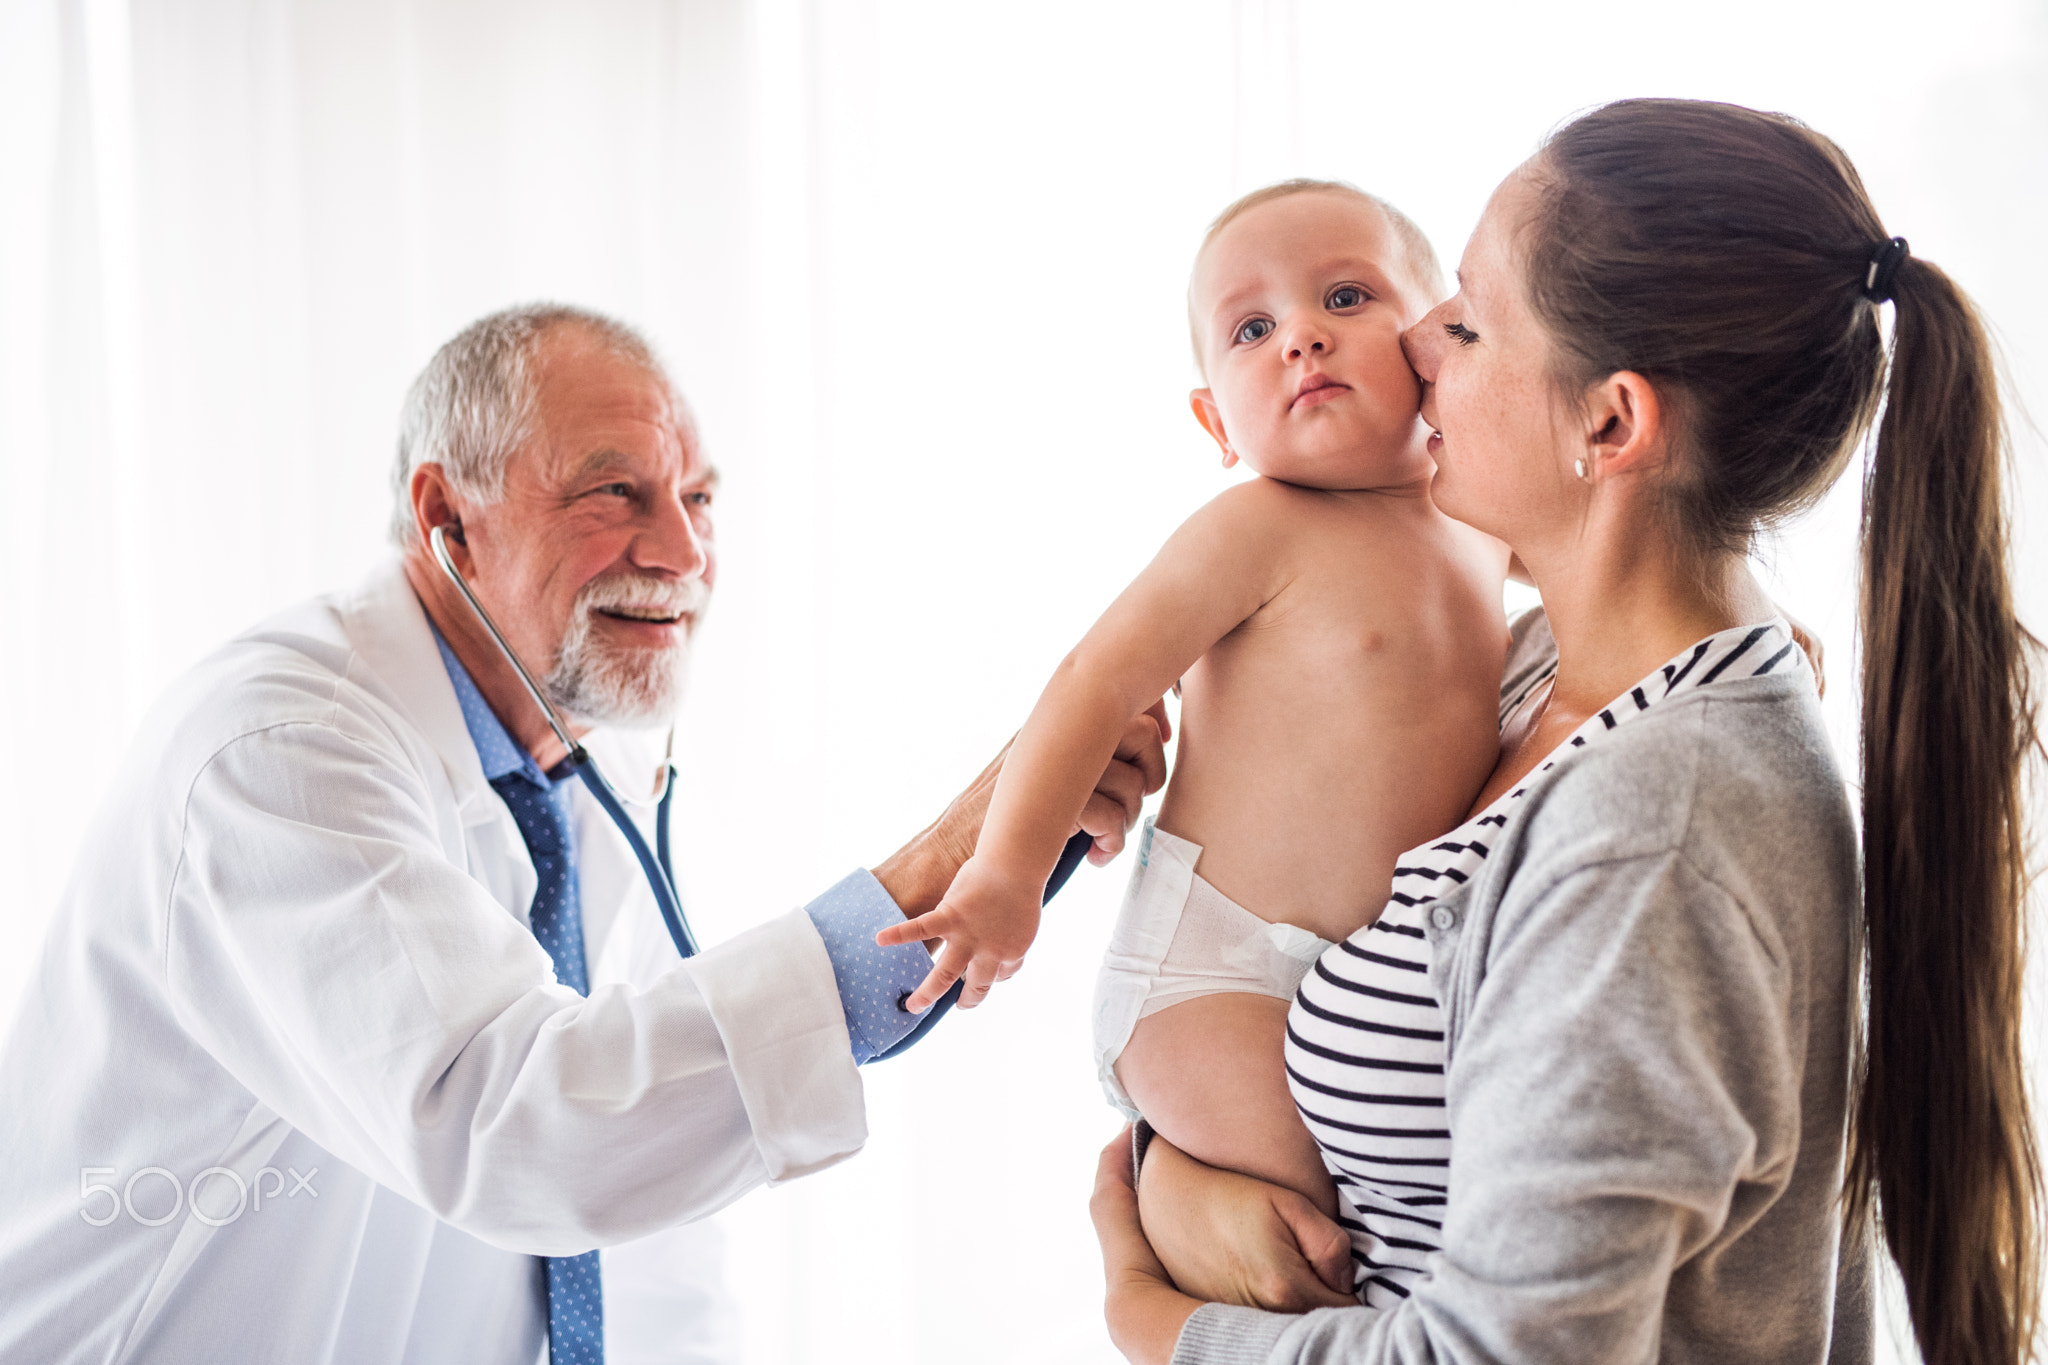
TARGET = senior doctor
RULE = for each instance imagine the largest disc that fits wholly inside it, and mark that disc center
(308, 1071)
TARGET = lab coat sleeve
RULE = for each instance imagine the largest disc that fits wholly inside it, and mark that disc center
(323, 942)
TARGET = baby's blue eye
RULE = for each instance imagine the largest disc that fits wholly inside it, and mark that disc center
(1345, 296)
(1254, 330)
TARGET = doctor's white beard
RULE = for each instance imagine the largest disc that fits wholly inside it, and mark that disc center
(635, 689)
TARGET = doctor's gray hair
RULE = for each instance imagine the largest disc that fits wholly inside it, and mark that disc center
(477, 401)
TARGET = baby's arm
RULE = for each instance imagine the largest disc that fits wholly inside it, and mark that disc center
(1222, 565)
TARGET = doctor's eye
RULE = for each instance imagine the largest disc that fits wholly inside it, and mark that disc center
(1345, 296)
(1460, 333)
(1254, 329)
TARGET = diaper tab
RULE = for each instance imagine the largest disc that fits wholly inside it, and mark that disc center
(1138, 944)
(1297, 942)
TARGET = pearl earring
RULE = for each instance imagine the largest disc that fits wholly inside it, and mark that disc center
(1579, 468)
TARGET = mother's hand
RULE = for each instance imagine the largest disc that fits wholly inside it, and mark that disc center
(1227, 1238)
(1145, 1312)
(1236, 1240)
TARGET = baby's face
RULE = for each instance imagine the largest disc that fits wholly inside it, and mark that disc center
(1299, 306)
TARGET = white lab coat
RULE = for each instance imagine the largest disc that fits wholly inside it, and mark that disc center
(296, 942)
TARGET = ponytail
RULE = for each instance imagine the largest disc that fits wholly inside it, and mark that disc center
(1941, 1132)
(1734, 255)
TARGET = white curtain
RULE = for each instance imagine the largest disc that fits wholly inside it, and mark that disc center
(920, 266)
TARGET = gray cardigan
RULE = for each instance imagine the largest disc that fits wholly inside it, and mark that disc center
(1648, 996)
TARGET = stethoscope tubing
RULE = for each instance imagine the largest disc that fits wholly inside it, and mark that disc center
(654, 863)
(655, 867)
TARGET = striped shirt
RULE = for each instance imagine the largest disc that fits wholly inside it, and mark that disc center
(1365, 1038)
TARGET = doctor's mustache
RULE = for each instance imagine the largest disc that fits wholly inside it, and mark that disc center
(644, 597)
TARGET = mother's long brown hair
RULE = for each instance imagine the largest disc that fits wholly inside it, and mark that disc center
(1725, 253)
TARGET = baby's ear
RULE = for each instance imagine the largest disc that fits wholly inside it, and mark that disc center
(1204, 404)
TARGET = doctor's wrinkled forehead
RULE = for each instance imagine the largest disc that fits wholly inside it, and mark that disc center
(1404, 252)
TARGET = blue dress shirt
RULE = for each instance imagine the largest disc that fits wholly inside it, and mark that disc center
(872, 981)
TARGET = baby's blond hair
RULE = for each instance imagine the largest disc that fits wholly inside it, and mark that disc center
(1420, 255)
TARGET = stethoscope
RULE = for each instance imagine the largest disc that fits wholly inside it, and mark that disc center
(654, 864)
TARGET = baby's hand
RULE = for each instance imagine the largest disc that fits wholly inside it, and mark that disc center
(987, 920)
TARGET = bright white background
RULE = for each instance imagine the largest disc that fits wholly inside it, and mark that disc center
(920, 265)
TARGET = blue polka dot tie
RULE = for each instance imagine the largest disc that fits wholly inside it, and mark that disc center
(575, 1293)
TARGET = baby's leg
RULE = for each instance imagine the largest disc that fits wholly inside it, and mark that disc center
(1207, 1075)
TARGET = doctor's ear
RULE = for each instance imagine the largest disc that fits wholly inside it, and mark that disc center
(433, 504)
(1204, 404)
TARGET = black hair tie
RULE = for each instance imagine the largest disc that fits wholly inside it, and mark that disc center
(1877, 281)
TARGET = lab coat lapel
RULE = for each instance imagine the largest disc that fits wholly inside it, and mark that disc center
(387, 628)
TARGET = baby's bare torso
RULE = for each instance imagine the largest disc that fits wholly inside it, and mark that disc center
(1350, 718)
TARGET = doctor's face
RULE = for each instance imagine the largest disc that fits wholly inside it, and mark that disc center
(599, 559)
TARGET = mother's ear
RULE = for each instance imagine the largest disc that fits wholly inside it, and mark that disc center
(1625, 427)
(1206, 412)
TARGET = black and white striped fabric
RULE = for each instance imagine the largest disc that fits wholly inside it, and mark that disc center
(1365, 1039)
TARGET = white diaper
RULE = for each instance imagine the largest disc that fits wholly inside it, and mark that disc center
(1177, 937)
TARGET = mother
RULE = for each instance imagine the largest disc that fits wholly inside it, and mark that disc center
(1666, 337)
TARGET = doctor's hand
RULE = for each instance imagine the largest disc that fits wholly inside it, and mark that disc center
(916, 876)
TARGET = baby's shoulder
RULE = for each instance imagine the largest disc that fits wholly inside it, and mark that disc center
(1267, 508)
(1257, 499)
(1316, 534)
(1259, 516)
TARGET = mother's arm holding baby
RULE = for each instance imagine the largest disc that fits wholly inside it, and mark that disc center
(1650, 972)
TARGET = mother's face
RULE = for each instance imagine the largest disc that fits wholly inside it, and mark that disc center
(1503, 443)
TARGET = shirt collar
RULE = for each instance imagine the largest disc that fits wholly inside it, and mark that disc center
(1734, 654)
(495, 747)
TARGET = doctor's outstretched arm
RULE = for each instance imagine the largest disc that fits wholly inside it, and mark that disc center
(324, 943)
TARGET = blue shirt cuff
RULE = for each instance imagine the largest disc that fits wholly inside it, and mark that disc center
(872, 980)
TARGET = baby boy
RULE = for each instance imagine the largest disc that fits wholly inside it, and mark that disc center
(1338, 644)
